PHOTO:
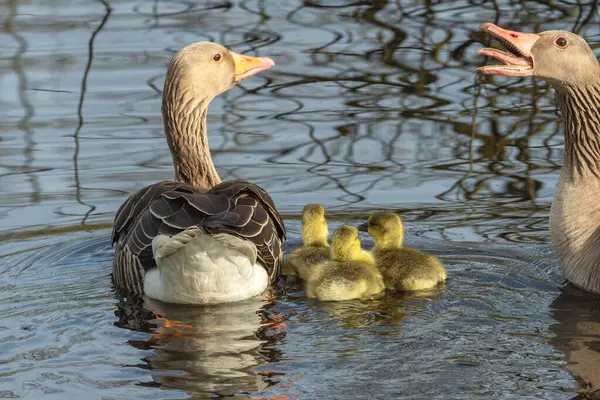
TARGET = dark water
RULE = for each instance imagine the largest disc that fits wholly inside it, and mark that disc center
(372, 105)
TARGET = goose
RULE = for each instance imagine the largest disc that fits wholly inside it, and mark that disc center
(403, 268)
(350, 274)
(567, 62)
(314, 237)
(197, 240)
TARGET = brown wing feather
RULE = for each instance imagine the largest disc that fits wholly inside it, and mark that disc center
(237, 207)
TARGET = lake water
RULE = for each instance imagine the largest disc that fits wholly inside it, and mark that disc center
(372, 105)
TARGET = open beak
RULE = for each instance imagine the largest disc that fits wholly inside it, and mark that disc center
(518, 59)
(246, 66)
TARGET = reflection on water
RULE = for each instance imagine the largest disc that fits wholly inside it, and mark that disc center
(209, 349)
(373, 105)
(578, 336)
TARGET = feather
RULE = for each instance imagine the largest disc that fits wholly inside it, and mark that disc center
(237, 208)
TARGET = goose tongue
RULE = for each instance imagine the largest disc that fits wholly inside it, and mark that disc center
(518, 60)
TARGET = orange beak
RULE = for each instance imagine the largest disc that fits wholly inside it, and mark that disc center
(518, 60)
(246, 66)
(523, 42)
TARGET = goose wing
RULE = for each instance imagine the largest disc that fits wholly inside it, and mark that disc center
(236, 207)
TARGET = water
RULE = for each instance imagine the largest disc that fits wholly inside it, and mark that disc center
(372, 105)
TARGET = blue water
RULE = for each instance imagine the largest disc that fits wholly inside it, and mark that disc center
(371, 105)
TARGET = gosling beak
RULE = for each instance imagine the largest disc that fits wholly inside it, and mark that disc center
(364, 227)
(246, 66)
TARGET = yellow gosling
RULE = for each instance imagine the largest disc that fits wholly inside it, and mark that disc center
(403, 268)
(315, 249)
(350, 274)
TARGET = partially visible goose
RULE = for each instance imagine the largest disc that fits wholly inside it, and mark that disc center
(567, 61)
(403, 268)
(197, 240)
(314, 236)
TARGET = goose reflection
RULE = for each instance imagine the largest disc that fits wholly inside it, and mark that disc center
(577, 335)
(356, 314)
(206, 350)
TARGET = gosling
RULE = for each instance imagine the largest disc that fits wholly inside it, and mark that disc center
(350, 274)
(403, 268)
(314, 236)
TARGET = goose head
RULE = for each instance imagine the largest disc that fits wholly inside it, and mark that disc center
(558, 56)
(209, 69)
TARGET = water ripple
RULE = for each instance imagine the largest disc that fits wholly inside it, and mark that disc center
(372, 105)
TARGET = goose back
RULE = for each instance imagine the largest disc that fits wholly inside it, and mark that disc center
(235, 207)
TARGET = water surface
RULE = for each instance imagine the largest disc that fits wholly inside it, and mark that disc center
(372, 105)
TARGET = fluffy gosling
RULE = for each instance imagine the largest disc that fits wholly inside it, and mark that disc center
(403, 268)
(350, 274)
(315, 249)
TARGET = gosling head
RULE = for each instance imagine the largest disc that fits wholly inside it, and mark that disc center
(345, 244)
(314, 226)
(386, 229)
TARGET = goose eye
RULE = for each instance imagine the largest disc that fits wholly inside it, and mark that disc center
(561, 42)
(217, 57)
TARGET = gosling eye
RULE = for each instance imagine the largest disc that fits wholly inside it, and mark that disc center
(561, 42)
(217, 57)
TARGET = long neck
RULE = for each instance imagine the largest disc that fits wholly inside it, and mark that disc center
(580, 110)
(575, 214)
(184, 117)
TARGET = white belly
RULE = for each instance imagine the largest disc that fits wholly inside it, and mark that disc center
(197, 268)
